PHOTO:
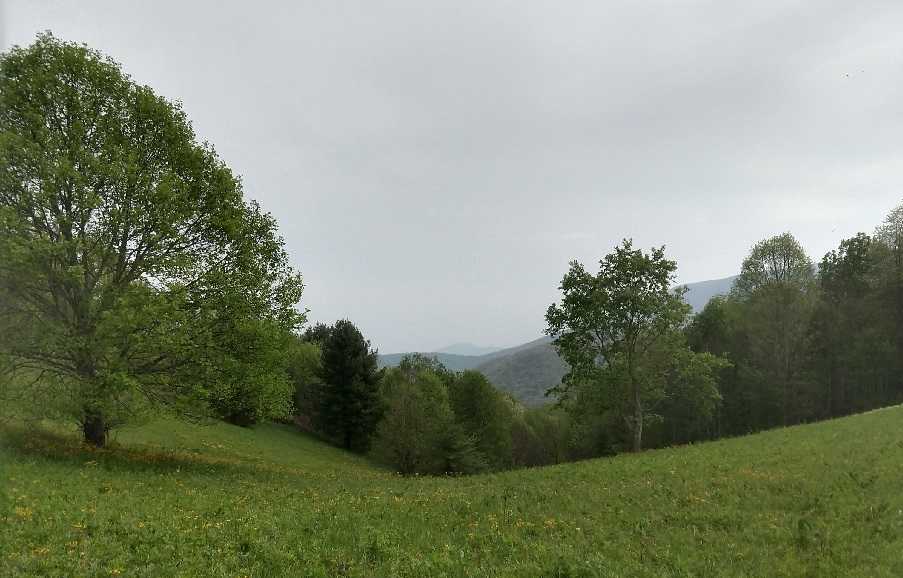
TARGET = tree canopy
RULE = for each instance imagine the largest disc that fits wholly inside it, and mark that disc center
(620, 330)
(349, 400)
(128, 254)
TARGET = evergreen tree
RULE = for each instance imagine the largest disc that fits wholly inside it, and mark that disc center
(350, 405)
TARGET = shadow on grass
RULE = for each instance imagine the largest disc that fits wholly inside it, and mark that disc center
(39, 442)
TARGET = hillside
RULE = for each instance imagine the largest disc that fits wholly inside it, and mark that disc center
(452, 361)
(698, 294)
(527, 371)
(458, 362)
(175, 499)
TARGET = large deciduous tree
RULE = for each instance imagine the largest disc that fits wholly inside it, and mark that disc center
(620, 330)
(129, 260)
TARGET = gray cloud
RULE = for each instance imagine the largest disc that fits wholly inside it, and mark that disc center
(434, 166)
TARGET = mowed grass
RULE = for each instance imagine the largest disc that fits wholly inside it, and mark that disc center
(172, 499)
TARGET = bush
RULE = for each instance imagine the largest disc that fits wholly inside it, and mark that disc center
(485, 415)
(413, 435)
(256, 384)
(304, 367)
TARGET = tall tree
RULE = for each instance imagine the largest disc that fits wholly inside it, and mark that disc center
(304, 369)
(852, 340)
(776, 284)
(350, 405)
(417, 416)
(485, 414)
(778, 260)
(619, 330)
(127, 251)
(718, 329)
(890, 282)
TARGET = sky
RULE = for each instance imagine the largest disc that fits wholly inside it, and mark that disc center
(435, 166)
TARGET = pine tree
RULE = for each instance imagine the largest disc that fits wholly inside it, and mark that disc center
(350, 404)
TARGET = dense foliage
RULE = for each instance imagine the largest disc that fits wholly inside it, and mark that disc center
(348, 400)
(620, 332)
(805, 345)
(134, 272)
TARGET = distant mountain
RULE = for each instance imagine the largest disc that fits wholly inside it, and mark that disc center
(449, 360)
(527, 371)
(455, 361)
(467, 349)
(698, 294)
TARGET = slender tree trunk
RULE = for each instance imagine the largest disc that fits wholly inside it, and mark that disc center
(94, 428)
(637, 418)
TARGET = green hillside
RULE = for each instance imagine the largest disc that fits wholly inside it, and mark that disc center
(528, 372)
(173, 499)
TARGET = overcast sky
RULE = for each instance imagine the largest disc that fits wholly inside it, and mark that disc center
(434, 166)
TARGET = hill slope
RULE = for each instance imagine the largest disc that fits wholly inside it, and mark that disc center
(815, 500)
(528, 372)
(452, 361)
(458, 362)
(698, 294)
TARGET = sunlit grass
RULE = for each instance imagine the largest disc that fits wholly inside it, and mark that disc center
(177, 499)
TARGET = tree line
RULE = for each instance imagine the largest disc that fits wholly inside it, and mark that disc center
(790, 343)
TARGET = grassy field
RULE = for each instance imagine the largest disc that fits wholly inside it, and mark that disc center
(172, 499)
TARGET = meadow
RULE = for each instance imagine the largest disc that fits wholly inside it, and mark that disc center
(175, 499)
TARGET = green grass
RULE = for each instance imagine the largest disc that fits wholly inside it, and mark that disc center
(172, 499)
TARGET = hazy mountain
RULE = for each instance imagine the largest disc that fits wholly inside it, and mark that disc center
(698, 294)
(449, 360)
(527, 371)
(467, 349)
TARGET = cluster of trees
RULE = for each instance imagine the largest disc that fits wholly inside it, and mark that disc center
(418, 417)
(421, 418)
(809, 343)
(792, 342)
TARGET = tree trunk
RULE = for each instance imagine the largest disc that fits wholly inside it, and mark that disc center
(346, 442)
(637, 419)
(94, 429)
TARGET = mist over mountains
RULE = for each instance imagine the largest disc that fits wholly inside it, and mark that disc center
(528, 370)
